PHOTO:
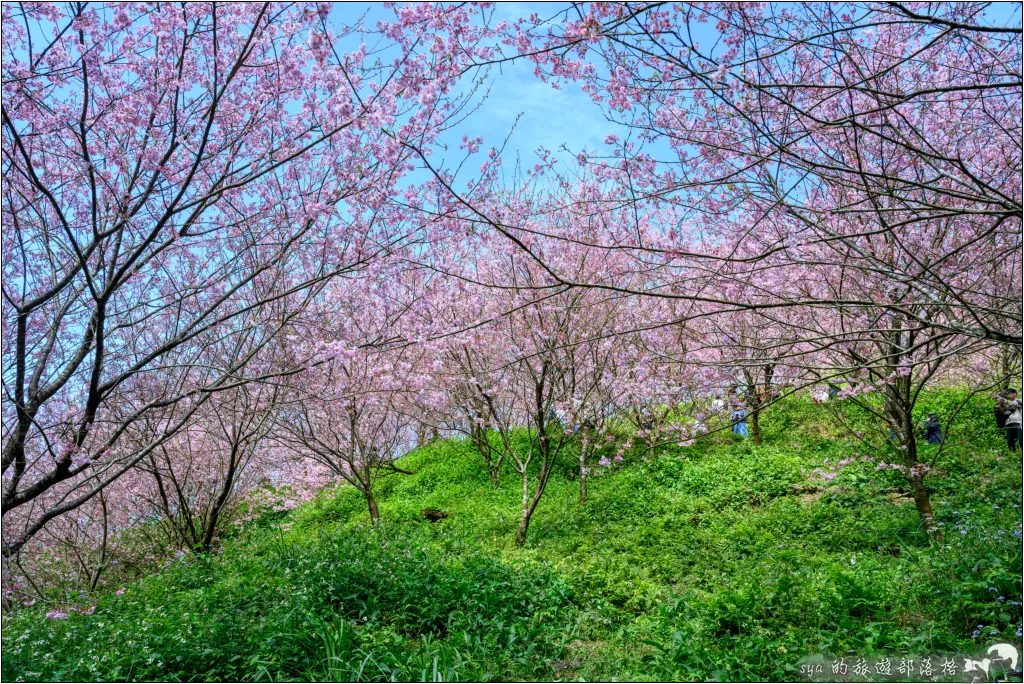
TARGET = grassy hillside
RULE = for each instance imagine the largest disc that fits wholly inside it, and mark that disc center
(720, 561)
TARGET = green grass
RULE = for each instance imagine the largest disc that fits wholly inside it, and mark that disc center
(721, 561)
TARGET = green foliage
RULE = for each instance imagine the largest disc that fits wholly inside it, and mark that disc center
(718, 561)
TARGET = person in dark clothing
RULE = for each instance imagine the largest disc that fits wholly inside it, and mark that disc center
(1012, 419)
(932, 429)
(998, 410)
(552, 417)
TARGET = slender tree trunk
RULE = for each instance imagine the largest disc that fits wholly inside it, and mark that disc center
(753, 400)
(899, 408)
(583, 474)
(524, 524)
(371, 503)
(101, 566)
(761, 399)
(479, 438)
(214, 518)
(530, 504)
(1006, 359)
(211, 527)
(917, 488)
(547, 461)
(218, 504)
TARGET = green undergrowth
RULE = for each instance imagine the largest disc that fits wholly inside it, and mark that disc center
(719, 561)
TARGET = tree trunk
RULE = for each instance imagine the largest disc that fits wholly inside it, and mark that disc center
(101, 566)
(753, 400)
(479, 438)
(225, 491)
(910, 459)
(924, 507)
(755, 425)
(371, 503)
(530, 504)
(524, 524)
(583, 474)
(210, 529)
(1006, 358)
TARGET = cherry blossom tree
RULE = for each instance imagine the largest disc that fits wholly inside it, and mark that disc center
(855, 168)
(347, 424)
(203, 472)
(212, 242)
(174, 174)
(867, 137)
(351, 409)
(509, 369)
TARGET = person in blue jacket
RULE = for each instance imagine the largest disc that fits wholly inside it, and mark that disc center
(739, 421)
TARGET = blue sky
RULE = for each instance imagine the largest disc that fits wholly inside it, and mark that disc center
(548, 118)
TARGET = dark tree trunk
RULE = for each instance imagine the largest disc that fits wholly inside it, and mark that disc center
(755, 425)
(478, 435)
(753, 397)
(530, 503)
(218, 504)
(899, 408)
(547, 460)
(101, 566)
(371, 504)
(922, 499)
(924, 506)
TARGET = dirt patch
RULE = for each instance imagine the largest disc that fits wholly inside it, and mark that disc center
(564, 665)
(808, 494)
(899, 498)
(810, 497)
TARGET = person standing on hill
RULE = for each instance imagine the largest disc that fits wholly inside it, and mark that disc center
(1012, 416)
(739, 421)
(932, 429)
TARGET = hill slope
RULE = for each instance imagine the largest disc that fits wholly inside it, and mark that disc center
(721, 561)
